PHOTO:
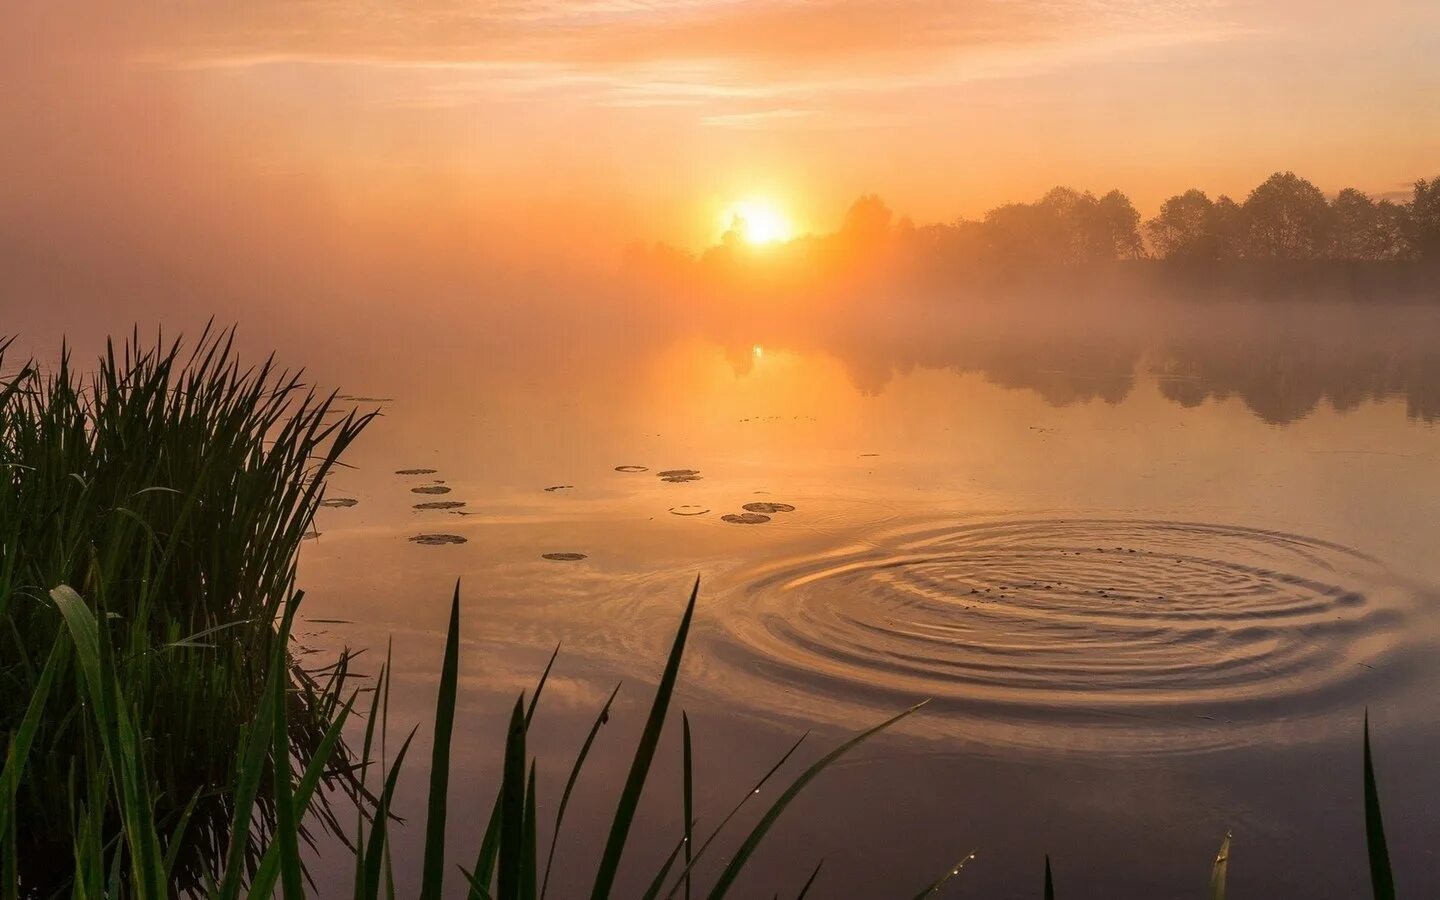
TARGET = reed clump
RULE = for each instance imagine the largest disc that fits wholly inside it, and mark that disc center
(171, 489)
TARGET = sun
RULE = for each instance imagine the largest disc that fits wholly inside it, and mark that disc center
(758, 221)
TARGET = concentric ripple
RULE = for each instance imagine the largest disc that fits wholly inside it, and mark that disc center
(1146, 629)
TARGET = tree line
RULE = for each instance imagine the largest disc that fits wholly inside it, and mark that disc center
(1285, 218)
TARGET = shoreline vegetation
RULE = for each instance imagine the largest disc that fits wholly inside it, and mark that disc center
(162, 735)
(1286, 238)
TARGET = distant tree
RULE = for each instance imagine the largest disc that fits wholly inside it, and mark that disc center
(1122, 223)
(1063, 228)
(1020, 235)
(1184, 228)
(1353, 221)
(1071, 226)
(1365, 230)
(1423, 220)
(867, 217)
(1289, 219)
(1393, 227)
(1229, 229)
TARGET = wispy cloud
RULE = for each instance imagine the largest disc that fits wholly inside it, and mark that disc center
(761, 118)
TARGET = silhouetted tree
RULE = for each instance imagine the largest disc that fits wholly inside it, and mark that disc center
(1423, 220)
(1063, 228)
(1365, 230)
(1289, 219)
(1185, 229)
(1122, 222)
(1229, 229)
(867, 218)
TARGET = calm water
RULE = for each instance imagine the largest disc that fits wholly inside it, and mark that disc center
(1149, 567)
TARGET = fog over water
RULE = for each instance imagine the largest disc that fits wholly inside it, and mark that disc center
(1136, 481)
(1150, 559)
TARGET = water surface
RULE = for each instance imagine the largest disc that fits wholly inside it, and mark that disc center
(1149, 575)
(1149, 565)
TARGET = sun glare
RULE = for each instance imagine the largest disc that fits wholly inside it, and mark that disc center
(758, 222)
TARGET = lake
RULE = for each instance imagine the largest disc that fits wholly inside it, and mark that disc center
(1149, 565)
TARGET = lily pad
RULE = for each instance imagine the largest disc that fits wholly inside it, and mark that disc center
(430, 489)
(680, 479)
(766, 507)
(440, 504)
(632, 469)
(563, 557)
(339, 502)
(436, 540)
(558, 487)
(416, 471)
(688, 509)
(748, 518)
(677, 473)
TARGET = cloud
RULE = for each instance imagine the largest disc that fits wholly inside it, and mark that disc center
(760, 118)
(757, 36)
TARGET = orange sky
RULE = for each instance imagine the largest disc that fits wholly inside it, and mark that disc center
(522, 127)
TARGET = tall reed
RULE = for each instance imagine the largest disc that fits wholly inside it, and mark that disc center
(171, 490)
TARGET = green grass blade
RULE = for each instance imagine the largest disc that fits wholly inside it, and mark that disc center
(379, 831)
(742, 855)
(934, 887)
(600, 720)
(512, 806)
(488, 854)
(177, 834)
(687, 790)
(644, 754)
(810, 882)
(433, 877)
(18, 752)
(753, 792)
(269, 869)
(658, 882)
(358, 880)
(287, 817)
(121, 742)
(477, 890)
(1382, 882)
(529, 854)
(1220, 872)
(540, 686)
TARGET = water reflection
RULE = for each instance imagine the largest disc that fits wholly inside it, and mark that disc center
(1281, 360)
(1119, 635)
(1100, 535)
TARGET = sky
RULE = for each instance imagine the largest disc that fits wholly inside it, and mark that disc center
(202, 143)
